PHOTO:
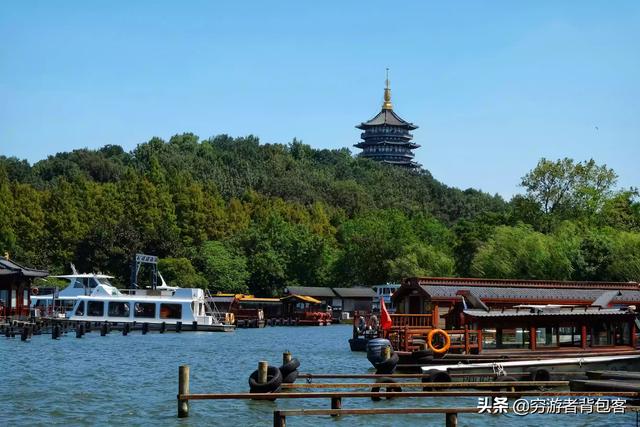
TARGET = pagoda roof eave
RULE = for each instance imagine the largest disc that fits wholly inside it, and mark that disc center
(409, 145)
(410, 163)
(387, 117)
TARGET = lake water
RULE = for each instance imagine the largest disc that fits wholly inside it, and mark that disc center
(132, 380)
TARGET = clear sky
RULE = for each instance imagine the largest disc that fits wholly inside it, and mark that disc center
(493, 86)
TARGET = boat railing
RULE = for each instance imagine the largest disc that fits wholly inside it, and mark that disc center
(412, 320)
(410, 339)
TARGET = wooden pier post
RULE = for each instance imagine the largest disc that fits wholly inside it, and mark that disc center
(336, 403)
(279, 420)
(451, 419)
(183, 388)
(286, 357)
(262, 372)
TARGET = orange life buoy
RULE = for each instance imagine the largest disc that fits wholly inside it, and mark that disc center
(447, 341)
(34, 291)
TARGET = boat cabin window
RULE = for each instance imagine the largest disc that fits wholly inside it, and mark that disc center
(488, 338)
(144, 309)
(622, 334)
(81, 283)
(569, 336)
(170, 311)
(95, 308)
(512, 338)
(612, 334)
(118, 309)
(547, 337)
(80, 309)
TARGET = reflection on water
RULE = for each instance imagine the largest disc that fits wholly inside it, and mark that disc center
(132, 380)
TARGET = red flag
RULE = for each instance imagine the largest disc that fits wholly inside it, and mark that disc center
(385, 319)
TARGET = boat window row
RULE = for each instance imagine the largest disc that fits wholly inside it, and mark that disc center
(602, 334)
(141, 310)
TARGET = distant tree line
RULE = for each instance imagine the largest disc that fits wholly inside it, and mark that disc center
(235, 215)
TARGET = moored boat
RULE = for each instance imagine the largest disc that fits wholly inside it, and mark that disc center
(553, 342)
(186, 307)
(55, 303)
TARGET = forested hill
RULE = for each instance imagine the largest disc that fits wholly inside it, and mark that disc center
(236, 215)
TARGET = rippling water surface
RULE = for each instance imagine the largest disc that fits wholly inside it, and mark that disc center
(133, 380)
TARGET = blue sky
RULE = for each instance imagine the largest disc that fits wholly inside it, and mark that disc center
(493, 86)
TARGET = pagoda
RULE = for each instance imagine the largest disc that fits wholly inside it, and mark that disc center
(386, 137)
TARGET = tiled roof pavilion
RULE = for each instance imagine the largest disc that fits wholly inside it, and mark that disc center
(505, 291)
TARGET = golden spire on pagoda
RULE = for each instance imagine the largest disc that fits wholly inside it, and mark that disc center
(386, 105)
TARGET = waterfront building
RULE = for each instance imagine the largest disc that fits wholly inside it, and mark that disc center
(442, 299)
(387, 137)
(15, 288)
(341, 300)
(324, 295)
(354, 299)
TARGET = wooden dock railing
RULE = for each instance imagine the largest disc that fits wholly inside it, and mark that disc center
(451, 414)
(408, 338)
(279, 417)
(413, 320)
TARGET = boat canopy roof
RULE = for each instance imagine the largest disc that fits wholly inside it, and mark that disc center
(83, 276)
(548, 311)
(302, 298)
(259, 300)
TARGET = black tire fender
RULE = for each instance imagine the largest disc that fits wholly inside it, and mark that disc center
(289, 367)
(539, 374)
(274, 381)
(419, 354)
(435, 376)
(389, 365)
(291, 377)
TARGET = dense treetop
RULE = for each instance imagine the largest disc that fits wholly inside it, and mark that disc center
(235, 215)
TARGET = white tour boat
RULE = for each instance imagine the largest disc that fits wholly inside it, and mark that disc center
(158, 307)
(57, 303)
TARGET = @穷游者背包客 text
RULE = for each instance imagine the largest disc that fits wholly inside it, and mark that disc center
(556, 405)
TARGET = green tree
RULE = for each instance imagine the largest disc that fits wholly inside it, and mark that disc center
(596, 254)
(565, 189)
(625, 263)
(368, 243)
(419, 259)
(7, 234)
(520, 252)
(29, 224)
(62, 223)
(180, 272)
(223, 267)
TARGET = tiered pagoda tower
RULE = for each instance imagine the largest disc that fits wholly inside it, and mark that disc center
(386, 137)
